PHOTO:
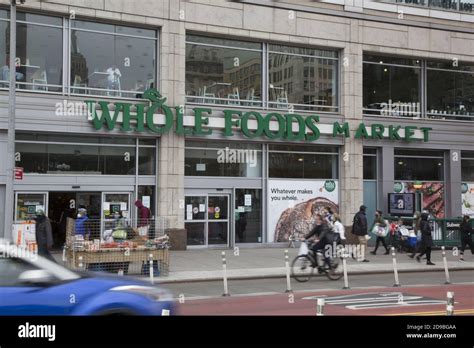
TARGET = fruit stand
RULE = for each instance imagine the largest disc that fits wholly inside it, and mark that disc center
(131, 256)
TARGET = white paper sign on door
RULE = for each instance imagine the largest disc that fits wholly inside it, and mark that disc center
(248, 200)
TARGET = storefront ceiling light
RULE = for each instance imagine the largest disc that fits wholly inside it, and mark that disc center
(300, 159)
(400, 163)
(385, 70)
(381, 62)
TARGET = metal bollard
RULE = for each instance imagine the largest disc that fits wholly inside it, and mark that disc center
(120, 272)
(450, 303)
(224, 271)
(320, 307)
(345, 254)
(150, 258)
(445, 262)
(64, 253)
(395, 270)
(287, 266)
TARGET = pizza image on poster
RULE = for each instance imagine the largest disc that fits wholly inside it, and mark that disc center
(433, 196)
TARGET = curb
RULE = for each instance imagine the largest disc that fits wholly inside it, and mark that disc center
(283, 275)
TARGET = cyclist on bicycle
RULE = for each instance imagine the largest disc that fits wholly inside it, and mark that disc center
(324, 236)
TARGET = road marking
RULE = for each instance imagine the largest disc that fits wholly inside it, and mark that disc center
(460, 311)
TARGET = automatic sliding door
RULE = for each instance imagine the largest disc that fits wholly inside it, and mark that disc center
(218, 219)
(195, 219)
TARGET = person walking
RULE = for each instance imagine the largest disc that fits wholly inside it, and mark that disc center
(44, 235)
(359, 228)
(339, 228)
(466, 236)
(143, 222)
(379, 223)
(426, 240)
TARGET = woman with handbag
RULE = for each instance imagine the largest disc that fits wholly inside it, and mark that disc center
(380, 230)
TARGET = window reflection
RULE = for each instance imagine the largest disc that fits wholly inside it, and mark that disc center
(109, 63)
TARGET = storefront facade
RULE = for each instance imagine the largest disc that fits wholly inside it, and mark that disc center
(271, 112)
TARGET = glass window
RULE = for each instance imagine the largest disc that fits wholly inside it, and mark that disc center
(302, 165)
(303, 148)
(467, 166)
(223, 75)
(39, 53)
(109, 63)
(146, 161)
(77, 159)
(419, 168)
(370, 167)
(229, 161)
(391, 90)
(10, 270)
(248, 216)
(27, 204)
(304, 87)
(450, 93)
(4, 57)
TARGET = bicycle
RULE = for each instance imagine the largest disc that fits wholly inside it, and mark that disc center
(303, 265)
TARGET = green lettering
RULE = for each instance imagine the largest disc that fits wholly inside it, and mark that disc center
(409, 132)
(310, 123)
(199, 121)
(289, 127)
(338, 129)
(361, 132)
(180, 129)
(105, 117)
(245, 127)
(393, 132)
(229, 122)
(377, 131)
(425, 130)
(150, 115)
(281, 125)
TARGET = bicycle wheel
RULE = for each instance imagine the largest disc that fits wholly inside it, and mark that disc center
(336, 271)
(302, 268)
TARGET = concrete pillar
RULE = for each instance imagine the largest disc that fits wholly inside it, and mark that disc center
(452, 171)
(385, 175)
(351, 176)
(171, 146)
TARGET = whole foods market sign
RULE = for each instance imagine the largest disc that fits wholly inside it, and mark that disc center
(159, 118)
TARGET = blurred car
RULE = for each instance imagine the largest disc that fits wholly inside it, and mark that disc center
(32, 285)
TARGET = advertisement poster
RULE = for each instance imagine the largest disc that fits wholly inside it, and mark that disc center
(433, 196)
(292, 205)
(467, 194)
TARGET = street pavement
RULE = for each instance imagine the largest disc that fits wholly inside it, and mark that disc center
(256, 263)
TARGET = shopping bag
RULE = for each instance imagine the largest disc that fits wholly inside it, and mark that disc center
(303, 249)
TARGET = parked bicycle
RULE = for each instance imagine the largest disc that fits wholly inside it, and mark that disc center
(303, 265)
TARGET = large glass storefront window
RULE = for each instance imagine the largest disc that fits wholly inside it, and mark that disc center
(305, 162)
(221, 71)
(39, 52)
(52, 155)
(112, 60)
(425, 168)
(304, 78)
(419, 165)
(222, 159)
(370, 164)
(467, 166)
(450, 90)
(391, 86)
(27, 204)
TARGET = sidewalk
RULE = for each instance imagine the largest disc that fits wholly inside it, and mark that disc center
(205, 265)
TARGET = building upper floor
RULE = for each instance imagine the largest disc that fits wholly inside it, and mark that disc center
(294, 56)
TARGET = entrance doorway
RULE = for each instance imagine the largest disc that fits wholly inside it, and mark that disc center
(63, 205)
(207, 219)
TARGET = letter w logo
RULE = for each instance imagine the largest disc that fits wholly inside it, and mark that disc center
(98, 121)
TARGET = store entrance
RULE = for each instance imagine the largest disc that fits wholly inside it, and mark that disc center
(207, 219)
(63, 205)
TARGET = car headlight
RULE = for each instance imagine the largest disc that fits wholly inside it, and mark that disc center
(155, 294)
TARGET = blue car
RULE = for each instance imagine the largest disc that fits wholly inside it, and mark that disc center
(32, 285)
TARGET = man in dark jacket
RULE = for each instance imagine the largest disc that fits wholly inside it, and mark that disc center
(466, 236)
(359, 228)
(44, 235)
(325, 236)
(426, 240)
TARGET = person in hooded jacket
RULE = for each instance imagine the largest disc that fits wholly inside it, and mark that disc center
(44, 235)
(466, 236)
(359, 228)
(426, 240)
